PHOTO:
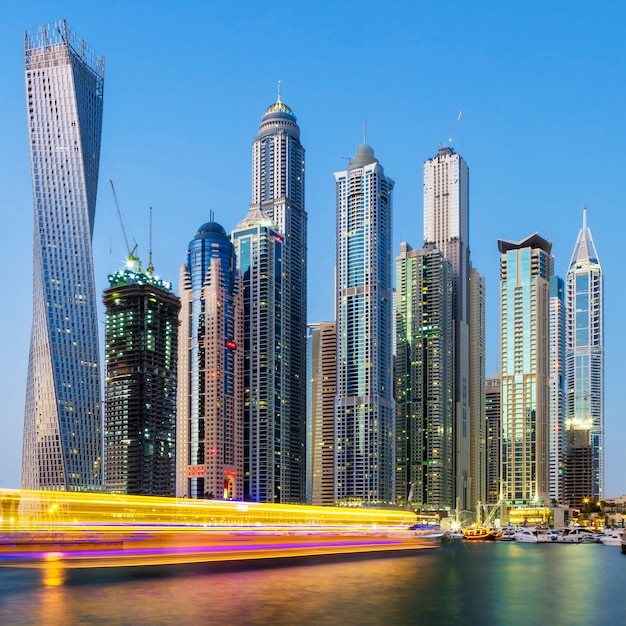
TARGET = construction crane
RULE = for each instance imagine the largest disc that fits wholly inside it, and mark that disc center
(132, 258)
(150, 269)
(458, 119)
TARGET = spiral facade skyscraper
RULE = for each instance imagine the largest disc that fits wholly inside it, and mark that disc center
(62, 446)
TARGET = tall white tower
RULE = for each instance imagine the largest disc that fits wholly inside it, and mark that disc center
(278, 192)
(364, 406)
(584, 349)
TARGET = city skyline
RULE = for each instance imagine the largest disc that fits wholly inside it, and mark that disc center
(505, 201)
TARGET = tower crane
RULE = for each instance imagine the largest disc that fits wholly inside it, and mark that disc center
(458, 119)
(132, 258)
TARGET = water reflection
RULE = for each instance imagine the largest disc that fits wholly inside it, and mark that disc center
(460, 584)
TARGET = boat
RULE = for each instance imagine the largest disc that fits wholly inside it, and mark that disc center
(506, 533)
(479, 533)
(535, 535)
(453, 534)
(611, 536)
(578, 535)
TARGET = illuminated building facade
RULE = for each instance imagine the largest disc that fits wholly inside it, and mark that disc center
(62, 445)
(446, 225)
(557, 388)
(525, 270)
(364, 406)
(424, 379)
(210, 370)
(260, 248)
(584, 354)
(478, 423)
(278, 192)
(141, 340)
(494, 439)
(321, 397)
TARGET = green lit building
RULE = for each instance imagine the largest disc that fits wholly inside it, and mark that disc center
(140, 384)
(424, 379)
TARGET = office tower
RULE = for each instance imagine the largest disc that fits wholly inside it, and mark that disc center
(278, 192)
(446, 225)
(364, 407)
(557, 388)
(141, 340)
(494, 458)
(525, 270)
(424, 379)
(260, 253)
(478, 434)
(321, 396)
(62, 446)
(209, 442)
(584, 350)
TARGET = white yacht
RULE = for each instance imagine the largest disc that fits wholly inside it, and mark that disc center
(578, 535)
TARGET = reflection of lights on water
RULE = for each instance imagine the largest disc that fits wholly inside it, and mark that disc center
(53, 570)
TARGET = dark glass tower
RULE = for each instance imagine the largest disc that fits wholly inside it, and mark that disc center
(62, 448)
(210, 394)
(140, 387)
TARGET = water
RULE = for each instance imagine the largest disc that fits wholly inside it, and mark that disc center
(459, 583)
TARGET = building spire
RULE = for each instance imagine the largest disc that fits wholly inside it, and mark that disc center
(278, 98)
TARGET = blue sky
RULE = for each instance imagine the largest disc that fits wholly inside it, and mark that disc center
(541, 87)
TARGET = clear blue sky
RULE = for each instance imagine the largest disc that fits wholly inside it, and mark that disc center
(541, 86)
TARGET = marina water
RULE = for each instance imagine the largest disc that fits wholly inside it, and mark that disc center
(460, 583)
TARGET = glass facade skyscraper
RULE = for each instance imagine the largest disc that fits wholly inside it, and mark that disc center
(525, 270)
(557, 387)
(62, 446)
(209, 439)
(364, 406)
(260, 248)
(424, 379)
(278, 192)
(446, 225)
(140, 385)
(584, 350)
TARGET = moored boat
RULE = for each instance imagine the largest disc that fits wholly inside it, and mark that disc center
(479, 532)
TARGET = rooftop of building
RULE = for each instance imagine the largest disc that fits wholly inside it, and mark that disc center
(535, 240)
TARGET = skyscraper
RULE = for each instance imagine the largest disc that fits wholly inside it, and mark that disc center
(557, 387)
(446, 225)
(525, 270)
(478, 434)
(62, 447)
(364, 407)
(259, 248)
(494, 438)
(424, 379)
(323, 383)
(209, 439)
(584, 350)
(140, 384)
(278, 192)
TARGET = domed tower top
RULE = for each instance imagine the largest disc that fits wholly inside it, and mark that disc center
(278, 117)
(212, 230)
